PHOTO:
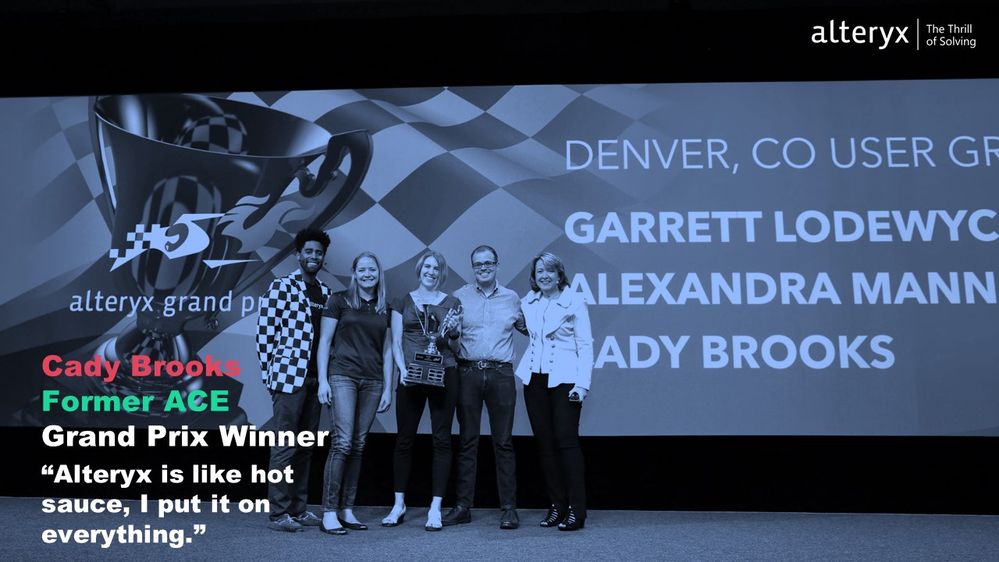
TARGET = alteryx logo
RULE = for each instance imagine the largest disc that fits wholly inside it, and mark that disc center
(183, 238)
(840, 32)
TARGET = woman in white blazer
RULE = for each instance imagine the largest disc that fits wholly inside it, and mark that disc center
(556, 371)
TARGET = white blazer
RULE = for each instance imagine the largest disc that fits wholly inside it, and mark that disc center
(561, 343)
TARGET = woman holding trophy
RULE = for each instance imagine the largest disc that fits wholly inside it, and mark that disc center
(359, 383)
(425, 323)
(556, 370)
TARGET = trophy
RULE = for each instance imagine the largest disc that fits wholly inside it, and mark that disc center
(196, 188)
(427, 367)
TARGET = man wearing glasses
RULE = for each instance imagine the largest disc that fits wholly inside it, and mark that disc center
(489, 313)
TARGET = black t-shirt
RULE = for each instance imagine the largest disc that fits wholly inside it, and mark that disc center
(315, 294)
(413, 322)
(359, 339)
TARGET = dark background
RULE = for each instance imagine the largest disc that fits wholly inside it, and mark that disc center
(60, 47)
(104, 46)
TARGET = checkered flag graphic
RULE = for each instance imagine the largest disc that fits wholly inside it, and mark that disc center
(451, 164)
(140, 243)
(215, 133)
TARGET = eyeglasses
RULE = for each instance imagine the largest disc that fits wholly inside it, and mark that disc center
(483, 265)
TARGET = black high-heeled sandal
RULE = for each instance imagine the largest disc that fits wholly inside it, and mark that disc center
(387, 522)
(555, 516)
(573, 521)
(336, 531)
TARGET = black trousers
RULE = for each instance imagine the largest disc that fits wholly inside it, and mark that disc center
(555, 423)
(497, 389)
(410, 401)
(298, 411)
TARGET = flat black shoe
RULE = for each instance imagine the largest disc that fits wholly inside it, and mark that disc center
(555, 516)
(510, 519)
(573, 521)
(457, 515)
(352, 526)
(337, 531)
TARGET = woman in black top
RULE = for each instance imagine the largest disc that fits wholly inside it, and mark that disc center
(422, 311)
(359, 383)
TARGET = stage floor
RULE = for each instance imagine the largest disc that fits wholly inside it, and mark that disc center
(645, 535)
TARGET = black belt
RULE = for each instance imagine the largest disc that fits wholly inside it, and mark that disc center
(483, 365)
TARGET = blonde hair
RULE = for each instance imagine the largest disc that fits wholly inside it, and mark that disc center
(354, 291)
(550, 261)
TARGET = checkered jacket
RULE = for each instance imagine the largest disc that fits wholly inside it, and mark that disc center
(284, 333)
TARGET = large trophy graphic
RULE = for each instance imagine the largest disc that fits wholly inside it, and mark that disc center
(427, 367)
(198, 187)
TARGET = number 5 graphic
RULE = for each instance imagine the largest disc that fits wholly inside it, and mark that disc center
(184, 237)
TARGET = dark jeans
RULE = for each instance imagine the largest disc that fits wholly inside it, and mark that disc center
(410, 400)
(555, 423)
(495, 387)
(355, 403)
(298, 411)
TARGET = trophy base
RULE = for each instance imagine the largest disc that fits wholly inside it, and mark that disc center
(426, 368)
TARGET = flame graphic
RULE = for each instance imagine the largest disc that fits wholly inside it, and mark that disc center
(244, 223)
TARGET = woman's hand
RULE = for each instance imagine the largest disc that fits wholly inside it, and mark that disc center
(402, 376)
(520, 324)
(325, 392)
(451, 324)
(580, 391)
(385, 402)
